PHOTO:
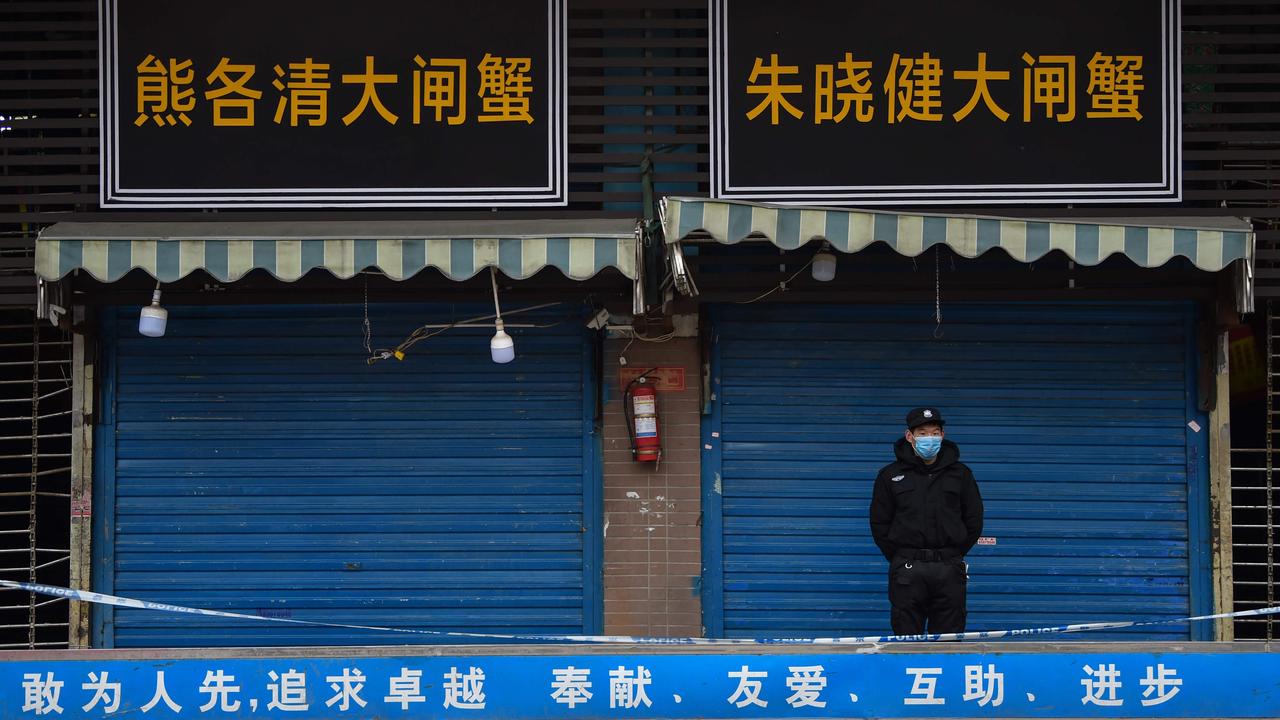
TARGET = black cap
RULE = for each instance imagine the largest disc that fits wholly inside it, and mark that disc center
(924, 415)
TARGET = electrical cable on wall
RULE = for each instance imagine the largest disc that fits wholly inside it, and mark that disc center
(368, 327)
(660, 339)
(622, 356)
(428, 331)
(780, 286)
(937, 293)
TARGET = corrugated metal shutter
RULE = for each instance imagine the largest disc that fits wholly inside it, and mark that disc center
(1073, 418)
(257, 464)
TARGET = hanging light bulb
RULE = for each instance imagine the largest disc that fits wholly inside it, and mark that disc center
(502, 348)
(153, 319)
(824, 264)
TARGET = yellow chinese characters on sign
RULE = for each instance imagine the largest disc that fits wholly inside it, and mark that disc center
(1114, 82)
(853, 87)
(505, 86)
(914, 88)
(165, 94)
(442, 88)
(306, 93)
(1049, 80)
(232, 102)
(164, 91)
(981, 91)
(774, 91)
(369, 82)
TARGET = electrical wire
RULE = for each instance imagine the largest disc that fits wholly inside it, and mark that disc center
(426, 332)
(493, 280)
(937, 294)
(623, 355)
(368, 327)
(660, 339)
(780, 286)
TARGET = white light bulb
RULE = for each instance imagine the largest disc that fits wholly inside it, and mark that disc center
(824, 267)
(153, 319)
(502, 347)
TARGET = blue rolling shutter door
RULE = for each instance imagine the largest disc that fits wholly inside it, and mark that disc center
(260, 466)
(1074, 419)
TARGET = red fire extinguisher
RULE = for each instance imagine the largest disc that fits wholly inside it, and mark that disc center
(640, 405)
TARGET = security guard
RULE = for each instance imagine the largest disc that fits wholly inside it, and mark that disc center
(926, 514)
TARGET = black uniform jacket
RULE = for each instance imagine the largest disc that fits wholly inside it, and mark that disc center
(926, 507)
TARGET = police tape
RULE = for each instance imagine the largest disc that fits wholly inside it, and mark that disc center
(117, 601)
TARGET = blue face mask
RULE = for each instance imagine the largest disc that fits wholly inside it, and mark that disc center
(927, 446)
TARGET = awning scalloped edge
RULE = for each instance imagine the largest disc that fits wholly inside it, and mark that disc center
(1087, 243)
(227, 260)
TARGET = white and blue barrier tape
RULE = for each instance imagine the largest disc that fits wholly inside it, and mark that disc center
(105, 599)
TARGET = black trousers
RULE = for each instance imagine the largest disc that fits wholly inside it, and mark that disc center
(927, 596)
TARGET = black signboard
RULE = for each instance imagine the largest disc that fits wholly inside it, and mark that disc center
(291, 103)
(945, 101)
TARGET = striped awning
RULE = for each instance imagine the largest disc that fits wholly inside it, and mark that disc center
(1210, 243)
(288, 250)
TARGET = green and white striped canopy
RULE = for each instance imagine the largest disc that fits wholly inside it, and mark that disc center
(229, 250)
(1210, 243)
